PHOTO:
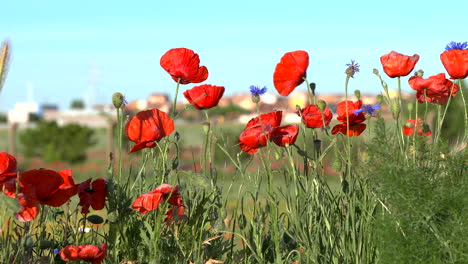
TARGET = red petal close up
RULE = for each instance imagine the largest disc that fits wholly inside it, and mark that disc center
(7, 168)
(285, 135)
(148, 126)
(184, 64)
(435, 89)
(258, 130)
(312, 116)
(204, 96)
(354, 130)
(396, 64)
(290, 71)
(456, 63)
(150, 201)
(91, 253)
(93, 195)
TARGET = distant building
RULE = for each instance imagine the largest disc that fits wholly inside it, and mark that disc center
(22, 111)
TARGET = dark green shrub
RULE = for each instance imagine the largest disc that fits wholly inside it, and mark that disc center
(52, 142)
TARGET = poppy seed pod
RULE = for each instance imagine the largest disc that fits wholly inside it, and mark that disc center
(410, 107)
(321, 104)
(117, 100)
(357, 93)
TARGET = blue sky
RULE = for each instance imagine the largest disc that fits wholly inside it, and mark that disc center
(57, 45)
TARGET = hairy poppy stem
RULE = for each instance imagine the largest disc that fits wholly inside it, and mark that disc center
(175, 99)
(464, 106)
(348, 163)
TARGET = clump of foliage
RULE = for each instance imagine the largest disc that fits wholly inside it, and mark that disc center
(53, 142)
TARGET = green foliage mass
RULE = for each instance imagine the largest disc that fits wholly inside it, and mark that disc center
(53, 142)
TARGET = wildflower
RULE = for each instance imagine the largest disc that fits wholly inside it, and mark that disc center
(148, 126)
(7, 168)
(90, 253)
(257, 91)
(418, 125)
(150, 201)
(41, 187)
(347, 114)
(312, 116)
(204, 96)
(396, 64)
(353, 67)
(368, 109)
(290, 72)
(174, 214)
(455, 60)
(92, 194)
(435, 89)
(184, 66)
(84, 229)
(266, 127)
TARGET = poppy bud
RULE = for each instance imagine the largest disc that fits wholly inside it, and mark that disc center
(28, 242)
(45, 244)
(255, 98)
(117, 100)
(206, 127)
(4, 56)
(298, 109)
(357, 93)
(312, 87)
(321, 105)
(375, 71)
(175, 163)
(410, 107)
(177, 136)
(425, 128)
(336, 165)
(95, 219)
(379, 98)
(419, 73)
(395, 109)
(277, 155)
(317, 146)
(344, 185)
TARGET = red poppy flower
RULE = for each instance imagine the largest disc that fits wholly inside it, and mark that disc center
(150, 201)
(204, 96)
(312, 116)
(290, 71)
(397, 65)
(416, 125)
(285, 135)
(347, 114)
(258, 130)
(91, 253)
(45, 187)
(7, 168)
(176, 213)
(184, 64)
(148, 126)
(92, 194)
(456, 63)
(437, 88)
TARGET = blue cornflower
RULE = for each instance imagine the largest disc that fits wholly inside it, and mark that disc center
(257, 91)
(456, 46)
(367, 108)
(56, 251)
(353, 67)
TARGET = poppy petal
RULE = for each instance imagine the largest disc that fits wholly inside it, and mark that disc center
(184, 64)
(204, 96)
(290, 71)
(285, 135)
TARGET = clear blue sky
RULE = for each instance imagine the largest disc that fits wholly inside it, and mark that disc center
(56, 43)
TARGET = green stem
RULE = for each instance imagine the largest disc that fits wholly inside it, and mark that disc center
(207, 154)
(464, 107)
(348, 163)
(309, 92)
(175, 99)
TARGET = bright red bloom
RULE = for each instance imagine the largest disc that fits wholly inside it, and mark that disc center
(456, 63)
(397, 65)
(7, 168)
(416, 125)
(175, 213)
(46, 187)
(148, 126)
(290, 71)
(261, 129)
(184, 64)
(204, 96)
(345, 115)
(258, 130)
(150, 201)
(312, 116)
(92, 194)
(91, 253)
(438, 88)
(285, 135)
